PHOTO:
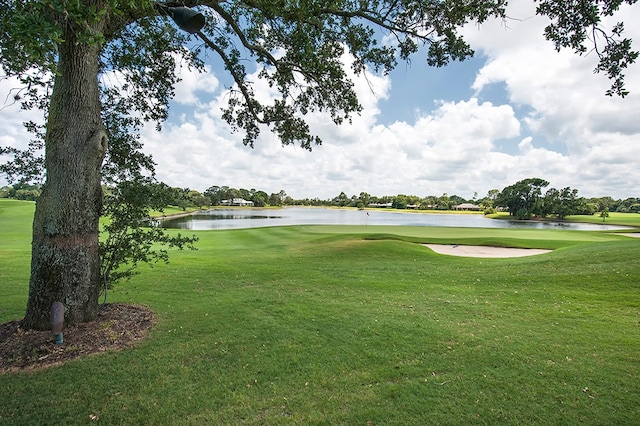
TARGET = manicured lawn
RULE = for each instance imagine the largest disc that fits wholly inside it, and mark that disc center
(349, 325)
(628, 219)
(615, 218)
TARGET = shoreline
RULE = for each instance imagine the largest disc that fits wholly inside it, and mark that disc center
(177, 215)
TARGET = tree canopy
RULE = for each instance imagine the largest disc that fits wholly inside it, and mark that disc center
(299, 47)
(100, 69)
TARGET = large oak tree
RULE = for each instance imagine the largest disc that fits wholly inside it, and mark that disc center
(100, 68)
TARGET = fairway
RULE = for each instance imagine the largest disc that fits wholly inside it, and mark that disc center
(351, 325)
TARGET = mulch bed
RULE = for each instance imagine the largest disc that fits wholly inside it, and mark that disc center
(117, 326)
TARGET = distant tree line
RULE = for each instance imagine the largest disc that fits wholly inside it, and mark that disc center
(21, 191)
(217, 194)
(524, 199)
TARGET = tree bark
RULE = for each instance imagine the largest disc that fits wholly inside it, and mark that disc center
(65, 264)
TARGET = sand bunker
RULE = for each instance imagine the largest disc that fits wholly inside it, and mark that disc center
(631, 234)
(483, 251)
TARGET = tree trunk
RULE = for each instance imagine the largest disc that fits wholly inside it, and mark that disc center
(65, 264)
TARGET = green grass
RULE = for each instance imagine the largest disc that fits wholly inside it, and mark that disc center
(172, 210)
(349, 325)
(16, 218)
(615, 218)
(626, 219)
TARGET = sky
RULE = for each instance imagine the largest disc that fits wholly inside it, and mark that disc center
(518, 109)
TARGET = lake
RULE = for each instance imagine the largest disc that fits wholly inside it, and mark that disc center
(255, 218)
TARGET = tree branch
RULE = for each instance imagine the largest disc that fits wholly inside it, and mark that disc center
(239, 79)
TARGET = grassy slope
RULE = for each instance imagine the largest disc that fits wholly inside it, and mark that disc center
(316, 325)
(628, 219)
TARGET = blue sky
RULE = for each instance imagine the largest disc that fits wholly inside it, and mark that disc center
(414, 85)
(518, 109)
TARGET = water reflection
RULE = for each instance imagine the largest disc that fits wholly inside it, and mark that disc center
(254, 218)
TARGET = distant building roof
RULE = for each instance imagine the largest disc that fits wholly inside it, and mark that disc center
(236, 202)
(467, 206)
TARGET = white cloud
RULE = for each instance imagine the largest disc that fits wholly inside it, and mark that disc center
(193, 84)
(554, 122)
(595, 135)
(451, 148)
(12, 131)
(442, 147)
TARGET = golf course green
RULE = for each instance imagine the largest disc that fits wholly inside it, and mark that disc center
(355, 326)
